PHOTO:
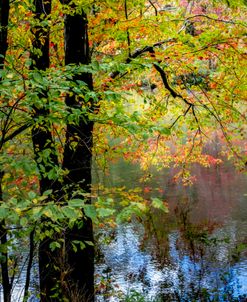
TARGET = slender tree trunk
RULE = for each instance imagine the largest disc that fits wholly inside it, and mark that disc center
(49, 273)
(29, 265)
(77, 161)
(4, 260)
(4, 21)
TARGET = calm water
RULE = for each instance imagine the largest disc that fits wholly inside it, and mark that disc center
(197, 252)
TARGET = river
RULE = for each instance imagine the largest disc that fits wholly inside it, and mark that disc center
(196, 252)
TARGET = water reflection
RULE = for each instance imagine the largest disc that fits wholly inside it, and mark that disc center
(195, 253)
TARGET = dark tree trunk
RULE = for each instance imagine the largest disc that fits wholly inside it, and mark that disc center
(4, 21)
(77, 284)
(77, 161)
(4, 255)
(42, 139)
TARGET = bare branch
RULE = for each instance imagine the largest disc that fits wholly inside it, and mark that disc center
(14, 134)
(127, 32)
(155, 9)
(181, 115)
(216, 20)
(138, 52)
(167, 85)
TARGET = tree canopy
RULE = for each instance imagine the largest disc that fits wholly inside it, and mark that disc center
(149, 81)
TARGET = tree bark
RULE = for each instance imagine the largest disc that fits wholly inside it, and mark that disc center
(49, 273)
(77, 161)
(4, 261)
(78, 282)
(4, 21)
(29, 265)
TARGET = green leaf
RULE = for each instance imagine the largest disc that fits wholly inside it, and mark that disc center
(24, 221)
(3, 213)
(145, 136)
(104, 212)
(165, 131)
(48, 213)
(47, 192)
(54, 245)
(76, 202)
(89, 243)
(32, 195)
(90, 211)
(37, 77)
(37, 212)
(78, 244)
(159, 204)
(52, 174)
(70, 212)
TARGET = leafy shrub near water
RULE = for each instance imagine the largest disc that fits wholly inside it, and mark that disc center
(134, 296)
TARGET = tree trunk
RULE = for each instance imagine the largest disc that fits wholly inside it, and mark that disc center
(4, 255)
(49, 273)
(78, 282)
(77, 161)
(4, 21)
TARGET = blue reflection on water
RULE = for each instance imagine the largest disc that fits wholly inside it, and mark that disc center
(180, 279)
(220, 273)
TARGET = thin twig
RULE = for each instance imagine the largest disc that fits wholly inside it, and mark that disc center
(181, 115)
(29, 265)
(127, 32)
(155, 9)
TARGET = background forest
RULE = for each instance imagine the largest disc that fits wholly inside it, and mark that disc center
(86, 83)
